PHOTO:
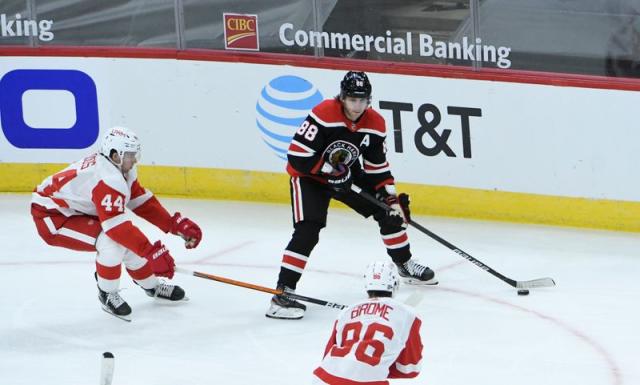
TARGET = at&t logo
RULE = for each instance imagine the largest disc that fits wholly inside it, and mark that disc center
(282, 106)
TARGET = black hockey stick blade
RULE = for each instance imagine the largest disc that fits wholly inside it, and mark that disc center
(540, 282)
(314, 300)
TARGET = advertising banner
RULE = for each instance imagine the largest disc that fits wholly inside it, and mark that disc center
(539, 139)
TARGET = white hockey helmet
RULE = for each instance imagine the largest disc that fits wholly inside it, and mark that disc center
(122, 140)
(381, 276)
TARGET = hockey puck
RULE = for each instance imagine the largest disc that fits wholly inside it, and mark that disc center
(523, 292)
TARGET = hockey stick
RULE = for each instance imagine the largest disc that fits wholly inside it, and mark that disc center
(258, 288)
(540, 282)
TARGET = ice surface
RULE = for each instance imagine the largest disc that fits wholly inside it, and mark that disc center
(476, 329)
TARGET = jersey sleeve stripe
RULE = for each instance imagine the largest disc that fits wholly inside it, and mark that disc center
(372, 131)
(301, 147)
(370, 164)
(376, 171)
(326, 124)
(49, 204)
(112, 222)
(140, 200)
(300, 154)
(48, 201)
(383, 183)
(411, 370)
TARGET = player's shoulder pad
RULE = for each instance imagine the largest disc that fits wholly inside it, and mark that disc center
(372, 122)
(406, 308)
(111, 176)
(328, 113)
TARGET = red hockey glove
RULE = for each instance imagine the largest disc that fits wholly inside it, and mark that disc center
(340, 179)
(161, 261)
(187, 229)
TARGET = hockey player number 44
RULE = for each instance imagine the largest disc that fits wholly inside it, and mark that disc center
(368, 350)
(108, 204)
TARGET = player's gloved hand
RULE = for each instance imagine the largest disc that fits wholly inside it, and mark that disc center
(404, 201)
(399, 215)
(186, 229)
(162, 263)
(340, 178)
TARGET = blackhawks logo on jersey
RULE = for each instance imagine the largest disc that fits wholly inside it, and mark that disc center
(341, 151)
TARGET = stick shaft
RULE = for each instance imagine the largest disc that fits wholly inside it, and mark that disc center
(542, 282)
(228, 281)
(263, 289)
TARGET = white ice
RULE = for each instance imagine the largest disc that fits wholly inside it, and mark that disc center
(476, 329)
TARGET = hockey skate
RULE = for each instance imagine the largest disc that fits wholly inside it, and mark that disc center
(414, 273)
(166, 292)
(283, 307)
(113, 304)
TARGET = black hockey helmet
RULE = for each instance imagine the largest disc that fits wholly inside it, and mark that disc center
(355, 84)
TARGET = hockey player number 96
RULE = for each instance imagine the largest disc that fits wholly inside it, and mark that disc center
(368, 344)
(308, 130)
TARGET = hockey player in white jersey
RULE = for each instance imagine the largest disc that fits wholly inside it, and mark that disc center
(87, 207)
(375, 339)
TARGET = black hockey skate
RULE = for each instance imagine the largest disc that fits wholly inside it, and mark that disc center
(166, 292)
(113, 304)
(416, 274)
(283, 307)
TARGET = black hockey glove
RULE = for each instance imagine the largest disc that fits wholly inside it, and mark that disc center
(399, 215)
(404, 201)
(340, 179)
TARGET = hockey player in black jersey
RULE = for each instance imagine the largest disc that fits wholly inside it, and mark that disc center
(324, 161)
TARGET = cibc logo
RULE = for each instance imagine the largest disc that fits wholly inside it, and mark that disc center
(47, 108)
(241, 32)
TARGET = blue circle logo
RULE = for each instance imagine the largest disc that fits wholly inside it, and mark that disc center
(283, 105)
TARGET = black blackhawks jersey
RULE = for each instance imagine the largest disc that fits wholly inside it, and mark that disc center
(328, 136)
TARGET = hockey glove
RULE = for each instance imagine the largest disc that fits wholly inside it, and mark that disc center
(187, 230)
(404, 201)
(162, 263)
(340, 178)
(399, 215)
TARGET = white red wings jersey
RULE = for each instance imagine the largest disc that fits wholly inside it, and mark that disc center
(372, 341)
(327, 132)
(95, 186)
